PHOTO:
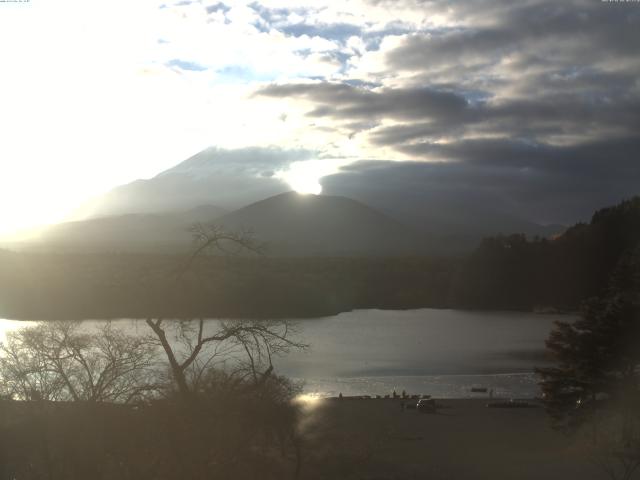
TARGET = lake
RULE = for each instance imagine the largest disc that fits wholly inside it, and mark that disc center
(438, 352)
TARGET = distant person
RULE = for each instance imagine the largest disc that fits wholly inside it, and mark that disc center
(404, 394)
(340, 396)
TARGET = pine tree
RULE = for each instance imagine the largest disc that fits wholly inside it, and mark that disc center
(598, 355)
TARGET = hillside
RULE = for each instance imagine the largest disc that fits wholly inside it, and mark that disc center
(514, 272)
(288, 224)
(310, 225)
(132, 232)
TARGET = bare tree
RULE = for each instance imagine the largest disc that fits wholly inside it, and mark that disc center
(247, 347)
(64, 361)
(25, 370)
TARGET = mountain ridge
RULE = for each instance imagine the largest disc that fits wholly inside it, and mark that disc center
(233, 180)
(295, 224)
(290, 224)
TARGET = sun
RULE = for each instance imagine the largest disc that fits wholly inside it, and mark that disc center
(304, 176)
(305, 185)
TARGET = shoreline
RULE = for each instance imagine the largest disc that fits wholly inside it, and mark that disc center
(522, 385)
(298, 316)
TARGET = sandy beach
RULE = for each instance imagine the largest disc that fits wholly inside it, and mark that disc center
(377, 439)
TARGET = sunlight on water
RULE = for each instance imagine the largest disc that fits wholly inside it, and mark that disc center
(309, 401)
(7, 326)
(512, 385)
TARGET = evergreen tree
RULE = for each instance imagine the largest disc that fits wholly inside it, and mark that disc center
(598, 355)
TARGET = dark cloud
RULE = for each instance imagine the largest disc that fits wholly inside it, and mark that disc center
(601, 160)
(523, 69)
(344, 101)
(436, 113)
(539, 183)
(555, 35)
(527, 109)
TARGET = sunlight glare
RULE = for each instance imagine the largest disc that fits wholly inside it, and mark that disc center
(309, 401)
(306, 186)
(304, 176)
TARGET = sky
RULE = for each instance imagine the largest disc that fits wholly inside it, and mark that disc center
(530, 106)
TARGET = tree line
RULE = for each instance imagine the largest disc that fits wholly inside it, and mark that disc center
(514, 272)
(78, 286)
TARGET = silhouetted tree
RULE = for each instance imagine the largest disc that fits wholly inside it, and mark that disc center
(64, 361)
(597, 380)
(247, 347)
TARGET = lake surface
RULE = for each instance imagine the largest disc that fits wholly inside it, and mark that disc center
(438, 352)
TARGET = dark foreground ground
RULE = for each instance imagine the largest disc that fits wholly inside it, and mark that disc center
(376, 439)
(237, 437)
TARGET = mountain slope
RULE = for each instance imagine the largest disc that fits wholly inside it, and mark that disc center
(450, 225)
(309, 225)
(131, 232)
(229, 179)
(236, 178)
(289, 224)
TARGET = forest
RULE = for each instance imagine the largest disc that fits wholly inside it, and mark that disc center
(505, 272)
(513, 272)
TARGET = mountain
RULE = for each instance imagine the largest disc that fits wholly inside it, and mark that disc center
(233, 179)
(321, 225)
(131, 232)
(229, 179)
(451, 225)
(288, 224)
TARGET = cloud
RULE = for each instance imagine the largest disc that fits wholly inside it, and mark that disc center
(430, 113)
(338, 31)
(344, 101)
(540, 183)
(535, 69)
(185, 65)
(253, 162)
(218, 7)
